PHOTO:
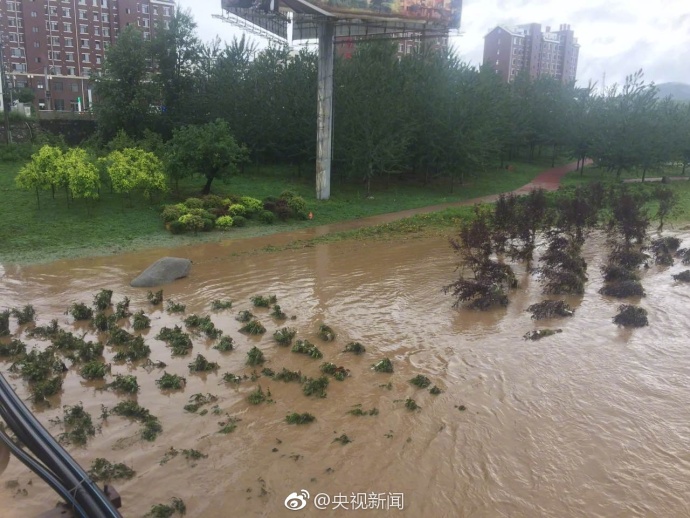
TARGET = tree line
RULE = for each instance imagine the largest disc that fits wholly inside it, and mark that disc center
(427, 115)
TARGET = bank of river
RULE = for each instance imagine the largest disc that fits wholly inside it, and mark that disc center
(589, 422)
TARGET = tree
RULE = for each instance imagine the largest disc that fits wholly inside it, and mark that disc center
(42, 172)
(134, 169)
(209, 150)
(82, 174)
(126, 95)
(177, 51)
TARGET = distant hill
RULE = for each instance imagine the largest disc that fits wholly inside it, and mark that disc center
(679, 91)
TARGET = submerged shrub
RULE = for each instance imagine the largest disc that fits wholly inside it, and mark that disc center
(284, 335)
(94, 370)
(5, 322)
(255, 356)
(14, 348)
(550, 309)
(614, 272)
(260, 301)
(155, 298)
(102, 300)
(258, 396)
(253, 327)
(133, 351)
(384, 365)
(46, 331)
(170, 381)
(244, 316)
(176, 339)
(141, 321)
(326, 333)
(339, 373)
(122, 309)
(420, 381)
(80, 311)
(288, 376)
(354, 347)
(126, 383)
(663, 249)
(315, 386)
(103, 470)
(277, 312)
(218, 305)
(308, 348)
(196, 401)
(201, 364)
(225, 344)
(541, 333)
(295, 418)
(631, 316)
(78, 425)
(174, 307)
(24, 315)
(683, 276)
(623, 289)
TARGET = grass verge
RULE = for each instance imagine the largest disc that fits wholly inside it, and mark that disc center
(115, 224)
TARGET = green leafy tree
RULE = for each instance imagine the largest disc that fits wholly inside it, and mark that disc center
(209, 150)
(82, 173)
(134, 169)
(126, 94)
(42, 172)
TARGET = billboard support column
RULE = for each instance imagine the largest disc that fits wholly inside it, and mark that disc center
(324, 125)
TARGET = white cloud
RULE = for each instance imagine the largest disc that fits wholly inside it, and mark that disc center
(616, 37)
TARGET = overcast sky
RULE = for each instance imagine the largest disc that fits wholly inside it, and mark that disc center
(616, 37)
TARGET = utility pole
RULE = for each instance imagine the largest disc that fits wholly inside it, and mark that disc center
(324, 125)
(3, 86)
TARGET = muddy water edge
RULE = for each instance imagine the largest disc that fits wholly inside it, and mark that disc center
(589, 422)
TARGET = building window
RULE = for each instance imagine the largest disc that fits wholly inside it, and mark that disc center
(104, 18)
(55, 41)
(74, 106)
(12, 22)
(66, 12)
(36, 44)
(128, 10)
(97, 31)
(83, 29)
(69, 42)
(145, 9)
(147, 36)
(57, 86)
(155, 10)
(34, 29)
(18, 67)
(82, 15)
(69, 56)
(86, 72)
(11, 6)
(166, 24)
(98, 60)
(85, 58)
(82, 2)
(166, 11)
(106, 32)
(54, 55)
(106, 44)
(104, 3)
(67, 27)
(84, 44)
(97, 45)
(17, 53)
(34, 14)
(59, 104)
(71, 71)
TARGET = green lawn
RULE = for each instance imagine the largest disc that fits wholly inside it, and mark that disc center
(29, 234)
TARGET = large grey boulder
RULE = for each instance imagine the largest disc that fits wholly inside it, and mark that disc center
(163, 271)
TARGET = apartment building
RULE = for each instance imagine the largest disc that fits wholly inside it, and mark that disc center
(512, 50)
(54, 47)
(407, 43)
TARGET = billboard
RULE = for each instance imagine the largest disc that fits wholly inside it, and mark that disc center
(446, 13)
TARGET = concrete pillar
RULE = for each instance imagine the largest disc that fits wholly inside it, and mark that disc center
(324, 124)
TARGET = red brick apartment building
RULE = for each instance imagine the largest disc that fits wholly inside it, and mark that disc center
(55, 46)
(511, 50)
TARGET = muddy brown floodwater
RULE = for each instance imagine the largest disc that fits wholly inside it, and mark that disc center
(590, 422)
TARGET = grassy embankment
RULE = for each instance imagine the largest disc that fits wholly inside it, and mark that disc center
(56, 230)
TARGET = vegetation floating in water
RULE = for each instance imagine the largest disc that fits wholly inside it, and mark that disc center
(176, 339)
(541, 333)
(134, 351)
(5, 322)
(326, 333)
(255, 356)
(355, 347)
(102, 322)
(357, 410)
(122, 309)
(229, 377)
(47, 331)
(384, 365)
(550, 309)
(155, 298)
(229, 425)
(151, 425)
(420, 381)
(14, 348)
(663, 249)
(435, 390)
(631, 316)
(102, 470)
(170, 381)
(295, 418)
